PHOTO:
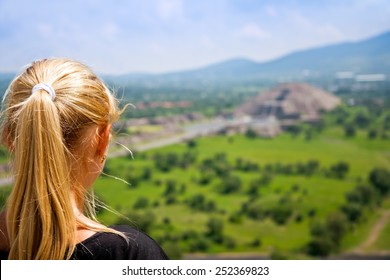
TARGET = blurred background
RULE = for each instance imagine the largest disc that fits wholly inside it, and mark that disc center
(260, 129)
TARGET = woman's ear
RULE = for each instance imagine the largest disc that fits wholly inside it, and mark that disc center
(103, 140)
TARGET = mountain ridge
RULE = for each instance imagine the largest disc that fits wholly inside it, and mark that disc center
(371, 55)
(368, 55)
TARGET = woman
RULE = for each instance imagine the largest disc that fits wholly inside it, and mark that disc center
(56, 122)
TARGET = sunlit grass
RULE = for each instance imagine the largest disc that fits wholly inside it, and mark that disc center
(319, 193)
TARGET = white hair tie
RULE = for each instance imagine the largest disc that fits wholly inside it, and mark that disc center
(46, 87)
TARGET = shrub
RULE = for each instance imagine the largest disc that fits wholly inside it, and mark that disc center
(229, 242)
(319, 247)
(281, 213)
(230, 184)
(349, 130)
(362, 194)
(143, 221)
(235, 218)
(312, 212)
(372, 134)
(380, 179)
(206, 176)
(254, 210)
(336, 224)
(141, 202)
(255, 243)
(361, 120)
(170, 187)
(170, 199)
(353, 211)
(339, 170)
(198, 244)
(215, 230)
(197, 202)
(146, 174)
(250, 133)
(191, 143)
(165, 162)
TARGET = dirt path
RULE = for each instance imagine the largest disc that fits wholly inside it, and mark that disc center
(375, 232)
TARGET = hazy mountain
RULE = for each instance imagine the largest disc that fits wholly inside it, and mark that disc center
(368, 56)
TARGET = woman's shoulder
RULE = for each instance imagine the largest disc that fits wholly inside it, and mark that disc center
(107, 245)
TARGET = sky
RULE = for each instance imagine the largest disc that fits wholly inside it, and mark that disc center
(159, 36)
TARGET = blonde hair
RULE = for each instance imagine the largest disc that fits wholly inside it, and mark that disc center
(46, 137)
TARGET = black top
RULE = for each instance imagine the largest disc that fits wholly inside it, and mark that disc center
(111, 246)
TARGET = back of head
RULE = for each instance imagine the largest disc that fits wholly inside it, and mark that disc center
(46, 133)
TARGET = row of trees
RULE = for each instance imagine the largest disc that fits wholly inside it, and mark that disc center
(370, 116)
(219, 166)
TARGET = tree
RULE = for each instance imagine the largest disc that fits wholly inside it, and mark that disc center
(170, 187)
(191, 143)
(349, 130)
(206, 175)
(336, 225)
(250, 133)
(372, 134)
(339, 170)
(380, 179)
(353, 211)
(319, 247)
(309, 134)
(198, 243)
(230, 184)
(362, 194)
(215, 230)
(295, 130)
(361, 120)
(256, 242)
(281, 213)
(142, 221)
(197, 202)
(165, 162)
(141, 202)
(311, 167)
(327, 236)
(147, 173)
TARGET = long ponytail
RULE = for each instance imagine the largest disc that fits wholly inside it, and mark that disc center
(48, 139)
(40, 221)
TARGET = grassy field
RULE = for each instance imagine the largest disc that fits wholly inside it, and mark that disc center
(311, 198)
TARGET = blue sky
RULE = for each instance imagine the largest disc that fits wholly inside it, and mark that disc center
(126, 36)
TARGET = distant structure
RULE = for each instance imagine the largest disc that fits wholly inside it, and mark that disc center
(350, 81)
(283, 106)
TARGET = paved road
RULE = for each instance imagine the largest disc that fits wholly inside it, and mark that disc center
(189, 132)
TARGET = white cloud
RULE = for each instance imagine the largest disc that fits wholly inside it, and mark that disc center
(252, 31)
(313, 30)
(271, 11)
(110, 30)
(156, 48)
(45, 30)
(168, 9)
(207, 42)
